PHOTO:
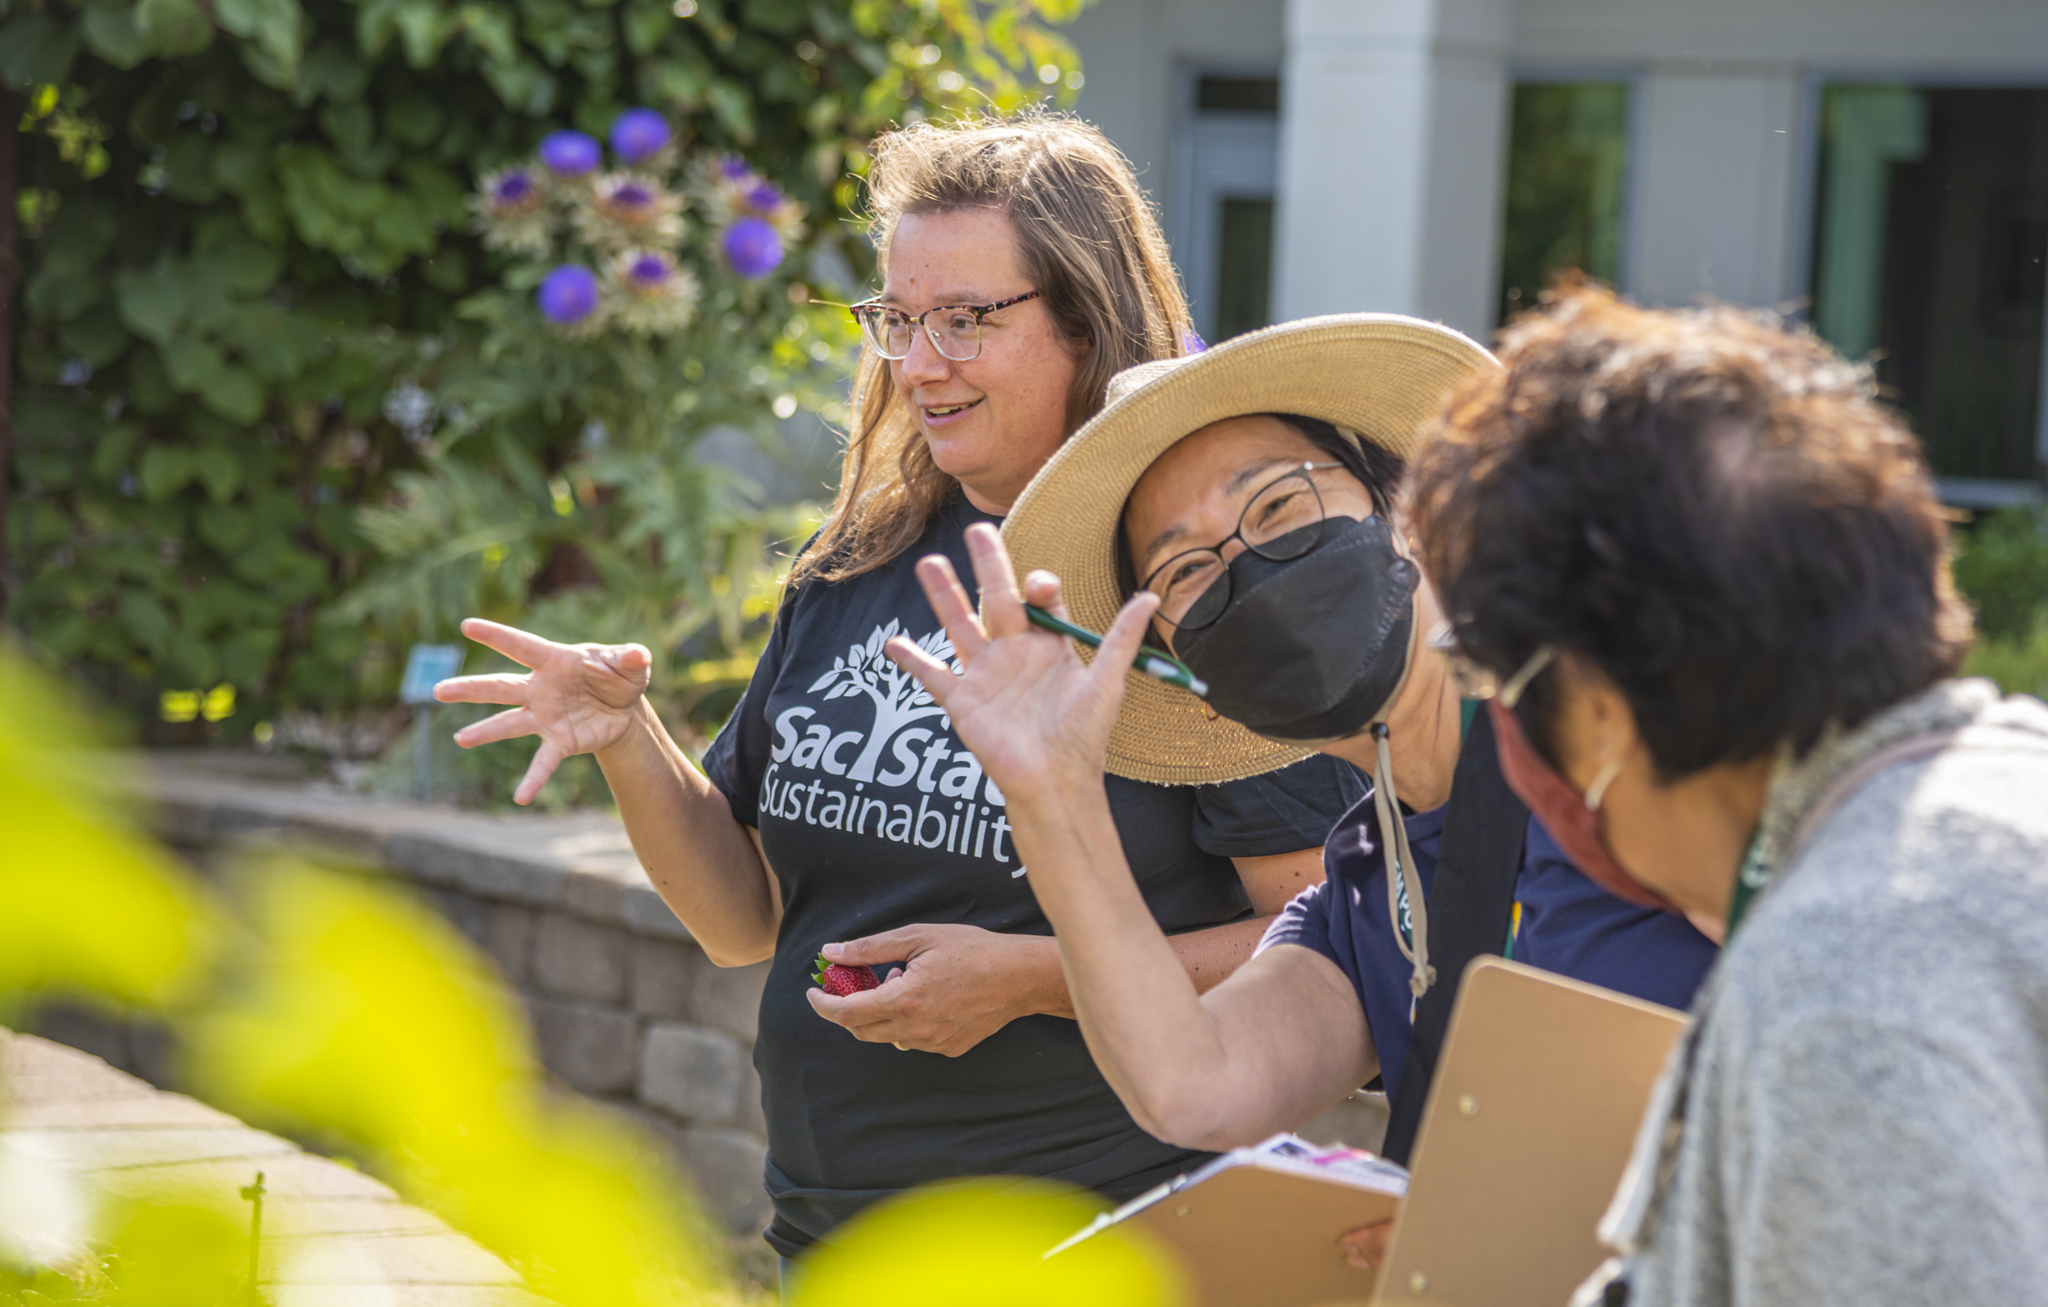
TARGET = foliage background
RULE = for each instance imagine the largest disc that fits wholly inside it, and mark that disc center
(2003, 568)
(245, 245)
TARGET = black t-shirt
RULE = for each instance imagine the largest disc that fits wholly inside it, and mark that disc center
(873, 817)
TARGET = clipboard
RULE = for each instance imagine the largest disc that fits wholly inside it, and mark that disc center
(1530, 1121)
(1253, 1230)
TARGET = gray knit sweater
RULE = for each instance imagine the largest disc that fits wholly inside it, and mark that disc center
(1859, 1115)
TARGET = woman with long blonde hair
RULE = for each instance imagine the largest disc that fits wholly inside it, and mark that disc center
(838, 818)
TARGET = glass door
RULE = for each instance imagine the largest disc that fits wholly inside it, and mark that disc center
(1221, 219)
(1929, 247)
(1566, 186)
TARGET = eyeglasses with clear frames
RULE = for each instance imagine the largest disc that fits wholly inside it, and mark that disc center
(954, 329)
(1475, 680)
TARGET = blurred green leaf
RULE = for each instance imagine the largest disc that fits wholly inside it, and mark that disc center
(151, 304)
(108, 27)
(98, 336)
(276, 26)
(231, 392)
(191, 362)
(165, 469)
(34, 51)
(173, 27)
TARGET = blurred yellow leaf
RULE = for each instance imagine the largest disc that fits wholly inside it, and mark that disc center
(89, 903)
(168, 1253)
(368, 1014)
(982, 1243)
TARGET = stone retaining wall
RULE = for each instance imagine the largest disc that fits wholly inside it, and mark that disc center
(626, 1008)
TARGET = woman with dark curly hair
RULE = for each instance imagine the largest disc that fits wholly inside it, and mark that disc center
(1708, 576)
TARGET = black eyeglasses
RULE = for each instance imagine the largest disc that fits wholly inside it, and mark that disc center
(954, 329)
(1283, 520)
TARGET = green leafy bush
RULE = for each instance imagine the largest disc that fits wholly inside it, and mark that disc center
(247, 232)
(2003, 569)
(2018, 664)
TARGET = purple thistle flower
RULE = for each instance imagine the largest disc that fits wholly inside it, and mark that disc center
(513, 189)
(639, 135)
(734, 168)
(568, 294)
(570, 154)
(1190, 343)
(753, 248)
(630, 195)
(765, 196)
(649, 270)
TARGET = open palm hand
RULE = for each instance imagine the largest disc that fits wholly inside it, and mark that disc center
(578, 698)
(1033, 713)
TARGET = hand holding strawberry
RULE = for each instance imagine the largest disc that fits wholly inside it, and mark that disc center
(839, 980)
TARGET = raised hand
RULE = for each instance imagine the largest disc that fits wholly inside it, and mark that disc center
(1032, 712)
(578, 698)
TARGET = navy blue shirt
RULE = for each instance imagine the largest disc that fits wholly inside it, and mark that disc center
(1569, 925)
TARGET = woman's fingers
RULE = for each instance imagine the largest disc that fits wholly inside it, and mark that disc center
(507, 725)
(1042, 590)
(1002, 608)
(492, 687)
(1120, 643)
(631, 661)
(545, 760)
(1366, 1247)
(932, 674)
(948, 598)
(525, 649)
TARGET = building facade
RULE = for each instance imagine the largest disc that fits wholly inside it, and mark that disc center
(1880, 165)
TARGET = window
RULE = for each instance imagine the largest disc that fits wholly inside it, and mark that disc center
(1220, 214)
(1244, 273)
(1237, 94)
(1567, 176)
(1930, 235)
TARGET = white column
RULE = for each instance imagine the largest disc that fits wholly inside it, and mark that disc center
(1392, 127)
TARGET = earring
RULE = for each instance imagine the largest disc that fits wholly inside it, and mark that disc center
(1597, 791)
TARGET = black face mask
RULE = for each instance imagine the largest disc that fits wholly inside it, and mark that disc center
(1315, 647)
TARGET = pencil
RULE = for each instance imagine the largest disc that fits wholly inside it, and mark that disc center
(1152, 662)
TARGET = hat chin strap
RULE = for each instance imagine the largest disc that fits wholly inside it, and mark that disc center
(1394, 851)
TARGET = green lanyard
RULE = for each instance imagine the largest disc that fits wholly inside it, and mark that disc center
(1749, 882)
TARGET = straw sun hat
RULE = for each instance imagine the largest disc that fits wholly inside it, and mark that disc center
(1378, 374)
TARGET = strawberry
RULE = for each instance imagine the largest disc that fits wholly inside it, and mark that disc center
(839, 979)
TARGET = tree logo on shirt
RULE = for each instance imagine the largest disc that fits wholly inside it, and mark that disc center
(899, 700)
(898, 780)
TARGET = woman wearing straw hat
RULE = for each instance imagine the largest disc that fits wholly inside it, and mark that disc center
(838, 810)
(1243, 496)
